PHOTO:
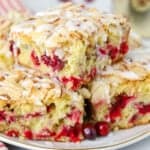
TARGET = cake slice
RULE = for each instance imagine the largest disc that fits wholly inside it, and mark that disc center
(121, 93)
(35, 107)
(71, 42)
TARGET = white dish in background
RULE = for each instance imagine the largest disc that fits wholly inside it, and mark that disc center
(115, 140)
(40, 5)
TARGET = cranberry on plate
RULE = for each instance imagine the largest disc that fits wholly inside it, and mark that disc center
(102, 128)
(89, 131)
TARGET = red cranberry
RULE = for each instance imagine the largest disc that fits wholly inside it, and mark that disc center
(75, 82)
(28, 134)
(46, 59)
(11, 119)
(133, 118)
(124, 47)
(33, 115)
(48, 108)
(93, 73)
(62, 133)
(56, 63)
(113, 51)
(102, 51)
(45, 134)
(144, 109)
(18, 51)
(65, 80)
(12, 133)
(75, 132)
(11, 46)
(75, 116)
(115, 113)
(121, 102)
(72, 132)
(2, 115)
(124, 99)
(89, 131)
(35, 58)
(102, 128)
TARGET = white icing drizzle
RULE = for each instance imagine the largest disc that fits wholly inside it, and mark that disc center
(3, 97)
(100, 91)
(26, 83)
(140, 55)
(59, 53)
(55, 28)
(128, 75)
(21, 28)
(25, 93)
(75, 97)
(147, 67)
(37, 101)
(73, 18)
(41, 85)
(44, 27)
(77, 25)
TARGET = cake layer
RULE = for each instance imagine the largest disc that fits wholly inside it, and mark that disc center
(71, 42)
(121, 93)
(33, 106)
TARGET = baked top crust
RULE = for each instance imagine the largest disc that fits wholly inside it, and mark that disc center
(53, 27)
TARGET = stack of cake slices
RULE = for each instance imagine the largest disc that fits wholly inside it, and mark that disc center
(72, 77)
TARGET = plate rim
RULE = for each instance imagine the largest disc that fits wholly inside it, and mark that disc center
(121, 144)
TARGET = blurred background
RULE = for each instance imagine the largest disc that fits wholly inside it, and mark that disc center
(137, 11)
(37, 5)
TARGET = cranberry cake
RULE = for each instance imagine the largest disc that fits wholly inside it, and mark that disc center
(121, 93)
(69, 78)
(33, 106)
(71, 42)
